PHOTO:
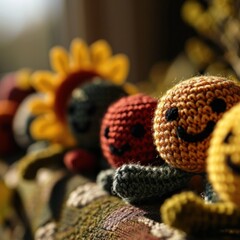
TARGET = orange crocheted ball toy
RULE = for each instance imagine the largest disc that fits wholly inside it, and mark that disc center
(186, 116)
(126, 131)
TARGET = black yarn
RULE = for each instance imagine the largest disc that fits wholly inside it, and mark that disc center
(182, 134)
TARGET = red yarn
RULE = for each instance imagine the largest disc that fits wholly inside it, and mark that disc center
(80, 161)
(126, 131)
(7, 111)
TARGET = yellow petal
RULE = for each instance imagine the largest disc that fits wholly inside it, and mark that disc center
(45, 127)
(24, 79)
(115, 69)
(39, 106)
(59, 60)
(43, 81)
(80, 53)
(100, 52)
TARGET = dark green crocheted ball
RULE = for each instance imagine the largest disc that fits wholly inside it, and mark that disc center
(86, 108)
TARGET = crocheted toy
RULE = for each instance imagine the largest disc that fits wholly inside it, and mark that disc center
(183, 123)
(58, 119)
(22, 121)
(91, 213)
(126, 131)
(14, 88)
(81, 65)
(189, 212)
(186, 116)
(127, 144)
(86, 108)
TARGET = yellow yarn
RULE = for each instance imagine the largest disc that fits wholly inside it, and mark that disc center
(97, 58)
(189, 212)
(224, 155)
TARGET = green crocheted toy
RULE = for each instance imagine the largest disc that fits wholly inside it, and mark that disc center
(187, 211)
(183, 123)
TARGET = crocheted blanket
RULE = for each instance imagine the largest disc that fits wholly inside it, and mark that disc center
(77, 208)
(74, 207)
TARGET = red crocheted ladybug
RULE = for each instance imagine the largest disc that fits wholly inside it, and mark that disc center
(126, 131)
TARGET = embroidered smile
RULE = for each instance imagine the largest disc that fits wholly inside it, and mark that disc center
(182, 133)
(119, 151)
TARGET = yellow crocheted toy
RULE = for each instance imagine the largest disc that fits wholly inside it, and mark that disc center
(189, 212)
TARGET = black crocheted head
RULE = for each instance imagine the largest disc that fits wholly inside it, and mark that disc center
(86, 108)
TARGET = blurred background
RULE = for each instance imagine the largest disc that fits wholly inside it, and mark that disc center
(148, 31)
(166, 41)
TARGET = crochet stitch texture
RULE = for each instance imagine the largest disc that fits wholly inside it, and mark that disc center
(185, 118)
(189, 212)
(126, 131)
(134, 182)
(86, 107)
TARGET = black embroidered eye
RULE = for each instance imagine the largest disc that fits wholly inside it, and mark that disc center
(138, 130)
(228, 137)
(106, 132)
(90, 108)
(218, 105)
(171, 114)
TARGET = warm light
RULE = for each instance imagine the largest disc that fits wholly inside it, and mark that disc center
(17, 15)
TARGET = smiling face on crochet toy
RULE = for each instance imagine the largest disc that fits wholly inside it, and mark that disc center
(186, 116)
(223, 162)
(126, 132)
(86, 108)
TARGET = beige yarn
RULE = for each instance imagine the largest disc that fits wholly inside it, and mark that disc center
(192, 98)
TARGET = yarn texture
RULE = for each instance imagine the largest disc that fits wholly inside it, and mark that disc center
(126, 131)
(135, 183)
(189, 212)
(86, 107)
(186, 116)
(224, 157)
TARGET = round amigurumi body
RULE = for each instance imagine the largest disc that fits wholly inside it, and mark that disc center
(223, 163)
(126, 131)
(223, 168)
(186, 116)
(86, 108)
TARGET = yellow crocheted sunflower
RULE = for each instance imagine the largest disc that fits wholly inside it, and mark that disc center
(71, 69)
